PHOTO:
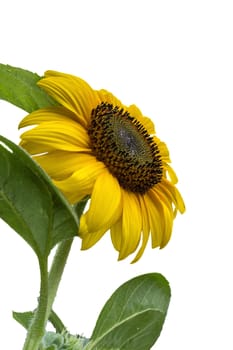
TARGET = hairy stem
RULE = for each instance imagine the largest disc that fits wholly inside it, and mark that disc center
(48, 290)
(56, 271)
(37, 327)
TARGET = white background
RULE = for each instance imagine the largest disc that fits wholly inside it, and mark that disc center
(174, 59)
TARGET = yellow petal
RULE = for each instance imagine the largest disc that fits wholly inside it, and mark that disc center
(163, 150)
(116, 237)
(46, 115)
(108, 97)
(34, 148)
(145, 228)
(68, 136)
(105, 206)
(173, 194)
(62, 164)
(166, 216)
(71, 92)
(91, 239)
(155, 218)
(81, 182)
(88, 239)
(168, 225)
(131, 224)
(171, 174)
(145, 121)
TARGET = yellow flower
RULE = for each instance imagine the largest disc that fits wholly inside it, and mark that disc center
(91, 144)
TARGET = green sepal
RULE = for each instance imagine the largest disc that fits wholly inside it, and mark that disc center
(62, 341)
(52, 341)
(30, 203)
(134, 315)
(18, 86)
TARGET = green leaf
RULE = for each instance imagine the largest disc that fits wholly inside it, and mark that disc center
(133, 317)
(24, 318)
(30, 203)
(18, 86)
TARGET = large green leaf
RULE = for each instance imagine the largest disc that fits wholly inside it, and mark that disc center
(30, 203)
(133, 317)
(18, 86)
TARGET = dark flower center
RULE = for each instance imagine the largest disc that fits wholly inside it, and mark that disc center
(123, 144)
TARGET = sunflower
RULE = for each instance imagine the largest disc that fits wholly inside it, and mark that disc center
(92, 144)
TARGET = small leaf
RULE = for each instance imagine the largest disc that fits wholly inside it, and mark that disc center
(133, 317)
(30, 203)
(24, 318)
(18, 86)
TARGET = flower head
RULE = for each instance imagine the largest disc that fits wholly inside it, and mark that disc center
(92, 144)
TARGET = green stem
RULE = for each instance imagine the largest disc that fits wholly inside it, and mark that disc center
(59, 262)
(56, 322)
(56, 271)
(37, 327)
(48, 291)
(49, 287)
